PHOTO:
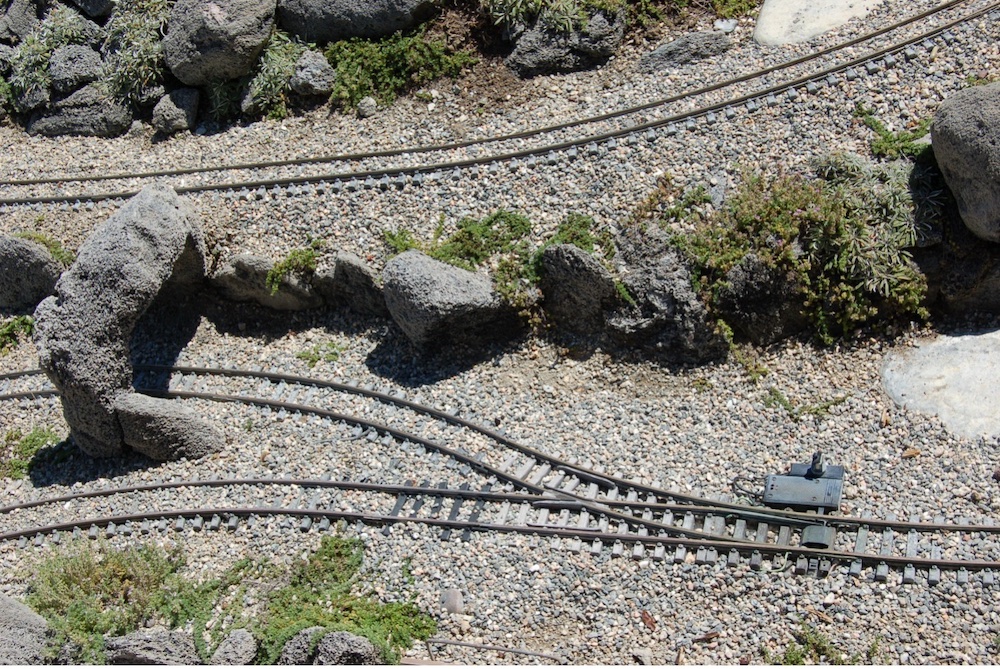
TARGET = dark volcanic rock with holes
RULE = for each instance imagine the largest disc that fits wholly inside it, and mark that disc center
(243, 278)
(89, 112)
(541, 50)
(153, 646)
(28, 273)
(17, 20)
(344, 278)
(686, 49)
(216, 40)
(23, 633)
(176, 111)
(73, 66)
(332, 20)
(966, 139)
(83, 332)
(762, 303)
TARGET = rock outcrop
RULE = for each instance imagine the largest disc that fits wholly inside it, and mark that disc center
(331, 20)
(541, 50)
(965, 135)
(762, 303)
(668, 321)
(18, 19)
(28, 273)
(344, 278)
(313, 74)
(89, 112)
(243, 278)
(433, 302)
(23, 633)
(176, 111)
(332, 648)
(83, 332)
(686, 49)
(301, 648)
(74, 66)
(238, 648)
(215, 40)
(152, 646)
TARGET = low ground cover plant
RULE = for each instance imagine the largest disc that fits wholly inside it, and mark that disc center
(17, 450)
(89, 590)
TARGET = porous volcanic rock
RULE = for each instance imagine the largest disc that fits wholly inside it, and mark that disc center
(23, 633)
(238, 648)
(73, 66)
(344, 278)
(243, 278)
(89, 112)
(216, 40)
(176, 111)
(686, 49)
(28, 273)
(83, 331)
(541, 50)
(965, 135)
(344, 648)
(577, 288)
(331, 20)
(157, 645)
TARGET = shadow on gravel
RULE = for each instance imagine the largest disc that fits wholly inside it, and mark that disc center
(396, 359)
(64, 464)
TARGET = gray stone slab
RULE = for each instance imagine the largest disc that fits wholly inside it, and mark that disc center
(952, 377)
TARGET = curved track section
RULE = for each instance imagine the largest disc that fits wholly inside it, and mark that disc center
(496, 485)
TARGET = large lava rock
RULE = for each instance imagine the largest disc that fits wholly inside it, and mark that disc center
(331, 20)
(73, 66)
(314, 645)
(577, 288)
(23, 633)
(433, 302)
(18, 19)
(28, 273)
(153, 646)
(686, 49)
(541, 50)
(216, 40)
(344, 278)
(243, 278)
(83, 332)
(765, 304)
(966, 139)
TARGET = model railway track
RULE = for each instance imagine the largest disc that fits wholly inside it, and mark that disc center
(702, 107)
(574, 506)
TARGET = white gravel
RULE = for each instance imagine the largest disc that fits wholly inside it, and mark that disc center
(690, 429)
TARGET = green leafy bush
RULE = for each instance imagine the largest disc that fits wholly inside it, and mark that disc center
(268, 89)
(388, 67)
(843, 237)
(13, 329)
(17, 449)
(888, 144)
(133, 47)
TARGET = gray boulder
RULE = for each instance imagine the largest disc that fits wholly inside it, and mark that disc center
(367, 107)
(540, 50)
(243, 278)
(216, 40)
(95, 8)
(301, 648)
(577, 288)
(176, 111)
(324, 21)
(966, 138)
(28, 273)
(433, 302)
(313, 74)
(156, 645)
(686, 49)
(344, 278)
(22, 633)
(164, 429)
(18, 19)
(344, 648)
(32, 98)
(238, 648)
(88, 111)
(84, 331)
(668, 320)
(73, 66)
(761, 303)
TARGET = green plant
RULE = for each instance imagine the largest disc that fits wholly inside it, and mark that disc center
(388, 67)
(747, 358)
(268, 89)
(400, 240)
(6, 96)
(729, 9)
(982, 79)
(813, 647)
(775, 398)
(17, 450)
(133, 48)
(29, 64)
(888, 144)
(844, 241)
(224, 99)
(578, 230)
(13, 329)
(320, 592)
(91, 590)
(300, 261)
(328, 352)
(54, 246)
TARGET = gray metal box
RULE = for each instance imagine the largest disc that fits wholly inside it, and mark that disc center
(799, 492)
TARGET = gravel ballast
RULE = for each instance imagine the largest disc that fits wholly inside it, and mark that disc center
(689, 429)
